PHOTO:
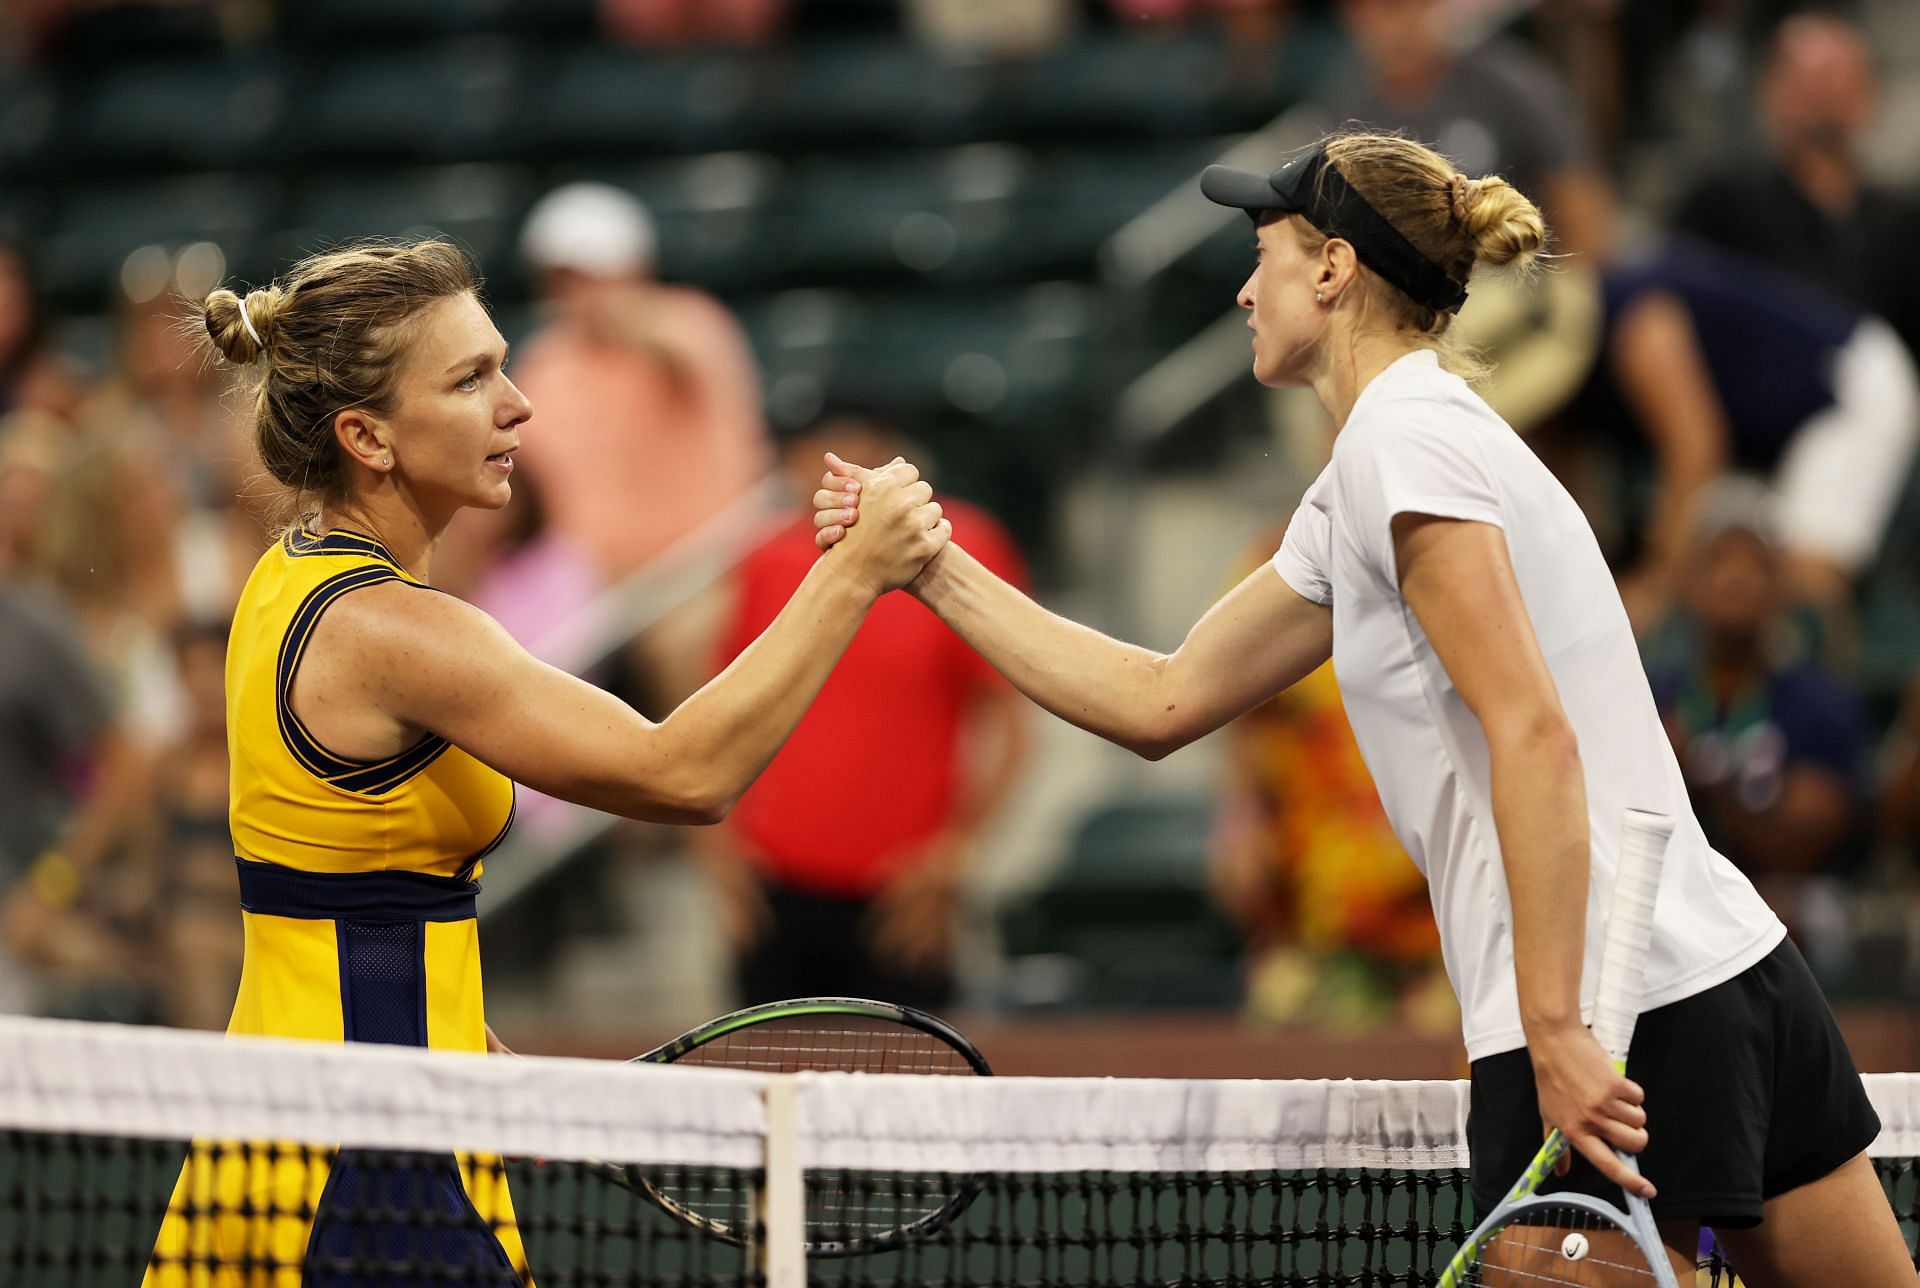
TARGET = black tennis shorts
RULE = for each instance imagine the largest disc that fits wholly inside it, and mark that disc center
(1750, 1093)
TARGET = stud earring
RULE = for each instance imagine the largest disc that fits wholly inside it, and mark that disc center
(1319, 297)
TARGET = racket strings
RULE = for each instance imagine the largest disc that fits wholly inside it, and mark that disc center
(1568, 1246)
(848, 1045)
(840, 1207)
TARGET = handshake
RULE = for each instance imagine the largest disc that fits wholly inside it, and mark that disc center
(885, 521)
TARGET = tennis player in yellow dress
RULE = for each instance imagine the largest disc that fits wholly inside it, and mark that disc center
(376, 728)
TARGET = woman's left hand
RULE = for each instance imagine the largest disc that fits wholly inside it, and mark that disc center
(836, 506)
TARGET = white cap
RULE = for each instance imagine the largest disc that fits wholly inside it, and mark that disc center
(591, 228)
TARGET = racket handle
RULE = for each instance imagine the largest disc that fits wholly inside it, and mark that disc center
(1623, 954)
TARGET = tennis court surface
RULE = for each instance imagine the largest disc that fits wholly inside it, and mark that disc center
(994, 1180)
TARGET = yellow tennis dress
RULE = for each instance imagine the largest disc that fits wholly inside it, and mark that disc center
(357, 886)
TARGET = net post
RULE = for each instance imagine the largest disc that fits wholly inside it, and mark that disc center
(783, 1190)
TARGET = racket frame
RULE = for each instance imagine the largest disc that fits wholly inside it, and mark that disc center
(965, 1187)
(1643, 843)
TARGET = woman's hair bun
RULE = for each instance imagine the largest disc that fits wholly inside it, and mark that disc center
(241, 326)
(1501, 225)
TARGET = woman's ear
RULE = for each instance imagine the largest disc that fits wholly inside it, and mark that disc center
(364, 439)
(1338, 267)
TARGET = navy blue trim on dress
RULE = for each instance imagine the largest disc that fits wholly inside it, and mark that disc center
(513, 807)
(383, 981)
(301, 543)
(275, 891)
(366, 778)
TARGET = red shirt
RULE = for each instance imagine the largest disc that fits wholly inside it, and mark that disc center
(874, 771)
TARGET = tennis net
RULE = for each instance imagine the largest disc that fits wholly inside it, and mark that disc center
(131, 1155)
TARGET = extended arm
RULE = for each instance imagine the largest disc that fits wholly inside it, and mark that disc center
(431, 662)
(1255, 642)
(1459, 581)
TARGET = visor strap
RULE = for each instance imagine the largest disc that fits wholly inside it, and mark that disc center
(1333, 206)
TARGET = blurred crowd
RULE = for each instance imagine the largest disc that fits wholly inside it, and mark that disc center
(1723, 374)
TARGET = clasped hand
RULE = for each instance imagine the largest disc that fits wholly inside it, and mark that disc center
(904, 527)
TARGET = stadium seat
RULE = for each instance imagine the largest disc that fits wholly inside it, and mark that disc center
(188, 113)
(475, 205)
(1119, 83)
(951, 215)
(871, 90)
(599, 99)
(977, 358)
(1127, 920)
(93, 229)
(453, 100)
(1090, 192)
(27, 122)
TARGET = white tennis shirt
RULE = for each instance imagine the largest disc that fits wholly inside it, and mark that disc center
(1420, 441)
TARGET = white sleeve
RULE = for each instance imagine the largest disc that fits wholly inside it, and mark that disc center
(1305, 558)
(1416, 463)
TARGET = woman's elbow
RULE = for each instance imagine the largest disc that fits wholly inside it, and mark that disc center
(1544, 737)
(704, 808)
(693, 800)
(1159, 738)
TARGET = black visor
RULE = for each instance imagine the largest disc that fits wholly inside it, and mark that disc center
(1307, 185)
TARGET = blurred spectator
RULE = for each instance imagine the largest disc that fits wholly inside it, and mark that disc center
(995, 28)
(914, 736)
(189, 847)
(1807, 207)
(1723, 365)
(693, 22)
(53, 710)
(77, 28)
(1495, 108)
(103, 544)
(164, 410)
(647, 415)
(1243, 15)
(1900, 782)
(1339, 925)
(1773, 748)
(32, 377)
(72, 782)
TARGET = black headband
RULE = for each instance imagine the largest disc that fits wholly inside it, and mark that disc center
(1309, 186)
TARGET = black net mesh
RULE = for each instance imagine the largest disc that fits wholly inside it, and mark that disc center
(82, 1211)
(87, 1211)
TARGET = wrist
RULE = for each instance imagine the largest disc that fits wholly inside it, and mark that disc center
(934, 580)
(1551, 1028)
(846, 582)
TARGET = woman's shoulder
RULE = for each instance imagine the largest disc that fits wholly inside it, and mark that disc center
(1436, 408)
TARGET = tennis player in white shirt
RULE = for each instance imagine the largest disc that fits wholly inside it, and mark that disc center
(1496, 692)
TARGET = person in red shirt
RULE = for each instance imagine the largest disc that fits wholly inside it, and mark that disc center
(813, 907)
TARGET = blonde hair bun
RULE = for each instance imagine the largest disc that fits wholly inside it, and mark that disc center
(241, 326)
(1500, 223)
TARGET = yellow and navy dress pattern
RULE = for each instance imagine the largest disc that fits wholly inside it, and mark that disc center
(357, 887)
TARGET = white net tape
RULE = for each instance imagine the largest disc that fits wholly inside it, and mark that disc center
(60, 1076)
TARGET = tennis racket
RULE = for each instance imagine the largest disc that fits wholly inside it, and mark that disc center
(1532, 1238)
(844, 1214)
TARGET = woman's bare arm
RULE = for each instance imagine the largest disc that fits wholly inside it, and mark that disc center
(1458, 579)
(434, 663)
(1255, 642)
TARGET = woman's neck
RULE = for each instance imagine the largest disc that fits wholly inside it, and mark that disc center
(1350, 364)
(408, 536)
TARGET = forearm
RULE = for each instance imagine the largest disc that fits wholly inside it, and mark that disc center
(726, 733)
(1540, 813)
(1086, 678)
